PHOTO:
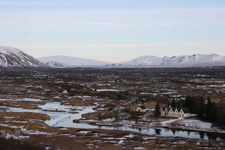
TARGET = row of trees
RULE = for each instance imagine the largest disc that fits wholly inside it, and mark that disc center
(198, 105)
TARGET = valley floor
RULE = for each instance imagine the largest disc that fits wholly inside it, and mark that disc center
(91, 108)
(35, 120)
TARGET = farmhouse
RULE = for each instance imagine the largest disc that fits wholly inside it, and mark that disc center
(141, 108)
(175, 112)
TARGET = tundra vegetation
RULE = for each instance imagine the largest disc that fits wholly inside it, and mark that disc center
(115, 93)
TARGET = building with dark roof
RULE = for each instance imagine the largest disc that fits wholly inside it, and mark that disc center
(141, 108)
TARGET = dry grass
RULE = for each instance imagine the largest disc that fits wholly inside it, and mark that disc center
(71, 139)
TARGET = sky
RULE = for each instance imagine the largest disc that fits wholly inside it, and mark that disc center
(113, 30)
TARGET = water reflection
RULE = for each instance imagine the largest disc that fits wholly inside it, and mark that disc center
(157, 131)
(149, 131)
(211, 136)
(202, 135)
(65, 119)
(174, 131)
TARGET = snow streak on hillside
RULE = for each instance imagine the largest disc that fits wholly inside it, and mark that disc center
(193, 60)
(13, 57)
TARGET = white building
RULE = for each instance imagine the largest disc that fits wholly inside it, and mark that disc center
(141, 108)
(175, 112)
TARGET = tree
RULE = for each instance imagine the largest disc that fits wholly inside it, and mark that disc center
(157, 110)
(221, 113)
(178, 104)
(190, 103)
(208, 108)
(173, 104)
(211, 111)
(201, 107)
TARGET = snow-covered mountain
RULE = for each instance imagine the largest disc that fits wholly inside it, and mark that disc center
(72, 61)
(177, 61)
(56, 64)
(13, 57)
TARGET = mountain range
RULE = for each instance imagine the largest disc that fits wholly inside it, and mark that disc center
(13, 57)
(176, 61)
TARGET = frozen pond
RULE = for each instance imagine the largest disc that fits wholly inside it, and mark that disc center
(63, 116)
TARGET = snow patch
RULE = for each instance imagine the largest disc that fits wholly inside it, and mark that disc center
(139, 148)
(84, 132)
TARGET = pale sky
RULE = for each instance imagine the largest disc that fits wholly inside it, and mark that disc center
(113, 30)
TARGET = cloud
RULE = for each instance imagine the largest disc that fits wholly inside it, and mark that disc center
(110, 45)
(91, 46)
(126, 19)
(10, 3)
(30, 3)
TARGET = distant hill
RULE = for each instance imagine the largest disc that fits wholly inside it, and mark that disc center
(72, 61)
(13, 57)
(56, 64)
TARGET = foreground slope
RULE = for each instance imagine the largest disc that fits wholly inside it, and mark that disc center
(13, 57)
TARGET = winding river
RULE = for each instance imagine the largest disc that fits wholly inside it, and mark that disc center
(67, 121)
(63, 116)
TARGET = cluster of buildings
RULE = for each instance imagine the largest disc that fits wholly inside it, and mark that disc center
(168, 111)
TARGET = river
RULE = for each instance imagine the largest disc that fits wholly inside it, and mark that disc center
(63, 116)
